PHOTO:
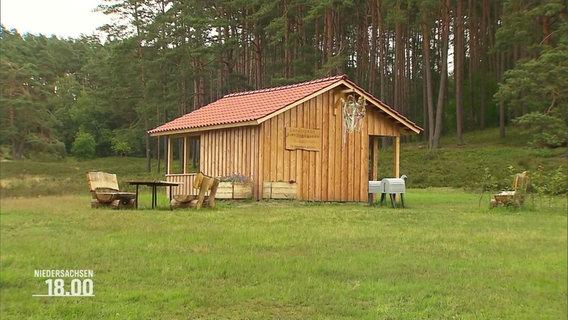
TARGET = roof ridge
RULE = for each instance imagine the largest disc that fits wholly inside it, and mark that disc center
(288, 86)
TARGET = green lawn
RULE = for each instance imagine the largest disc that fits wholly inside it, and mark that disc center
(443, 257)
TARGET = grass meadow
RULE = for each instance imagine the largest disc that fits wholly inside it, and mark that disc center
(445, 256)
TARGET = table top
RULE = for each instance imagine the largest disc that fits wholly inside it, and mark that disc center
(154, 183)
(119, 193)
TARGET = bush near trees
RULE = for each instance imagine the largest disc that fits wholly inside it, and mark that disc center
(120, 147)
(164, 59)
(84, 146)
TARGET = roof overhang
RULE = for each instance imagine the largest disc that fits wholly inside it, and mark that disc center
(296, 103)
(208, 128)
(406, 126)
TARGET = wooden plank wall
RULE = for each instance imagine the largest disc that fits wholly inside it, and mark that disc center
(186, 186)
(231, 151)
(379, 125)
(338, 172)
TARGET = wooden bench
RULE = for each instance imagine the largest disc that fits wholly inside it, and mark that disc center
(515, 197)
(206, 186)
(105, 192)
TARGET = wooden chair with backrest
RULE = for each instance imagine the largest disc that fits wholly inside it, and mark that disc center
(106, 193)
(206, 188)
(515, 197)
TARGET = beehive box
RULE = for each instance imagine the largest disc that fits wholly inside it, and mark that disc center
(393, 185)
(375, 187)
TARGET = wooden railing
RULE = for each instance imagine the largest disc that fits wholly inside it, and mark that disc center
(186, 183)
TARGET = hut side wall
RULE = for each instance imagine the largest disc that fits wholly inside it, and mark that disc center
(230, 151)
(337, 172)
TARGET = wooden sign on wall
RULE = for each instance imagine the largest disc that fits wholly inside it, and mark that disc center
(305, 139)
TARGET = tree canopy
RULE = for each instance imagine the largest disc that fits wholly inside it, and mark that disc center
(451, 65)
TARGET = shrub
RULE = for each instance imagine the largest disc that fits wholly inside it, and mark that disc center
(549, 182)
(84, 146)
(558, 181)
(120, 147)
(547, 130)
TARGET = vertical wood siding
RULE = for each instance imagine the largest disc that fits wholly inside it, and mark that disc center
(339, 171)
(186, 183)
(380, 125)
(231, 151)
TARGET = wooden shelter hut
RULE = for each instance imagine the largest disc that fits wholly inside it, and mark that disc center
(318, 136)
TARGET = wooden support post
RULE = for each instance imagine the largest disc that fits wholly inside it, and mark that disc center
(396, 167)
(396, 157)
(170, 155)
(375, 165)
(186, 153)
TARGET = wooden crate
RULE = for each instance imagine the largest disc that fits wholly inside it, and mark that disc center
(279, 190)
(230, 190)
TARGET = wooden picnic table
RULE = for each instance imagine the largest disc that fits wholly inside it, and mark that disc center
(154, 184)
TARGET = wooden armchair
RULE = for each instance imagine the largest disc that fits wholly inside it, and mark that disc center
(105, 192)
(207, 188)
(515, 197)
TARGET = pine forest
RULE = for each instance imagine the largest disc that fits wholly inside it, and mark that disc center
(452, 66)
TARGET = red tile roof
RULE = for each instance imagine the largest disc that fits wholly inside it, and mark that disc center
(244, 107)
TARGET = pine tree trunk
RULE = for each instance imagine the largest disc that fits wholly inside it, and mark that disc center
(428, 83)
(382, 52)
(143, 85)
(459, 70)
(328, 26)
(399, 63)
(444, 74)
(473, 60)
(501, 103)
(287, 54)
(374, 48)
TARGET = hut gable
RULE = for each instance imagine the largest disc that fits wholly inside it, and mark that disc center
(255, 107)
